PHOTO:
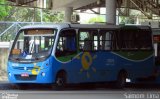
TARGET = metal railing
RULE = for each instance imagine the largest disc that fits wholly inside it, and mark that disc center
(9, 29)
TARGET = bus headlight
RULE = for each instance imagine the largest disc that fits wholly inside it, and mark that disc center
(43, 74)
(9, 74)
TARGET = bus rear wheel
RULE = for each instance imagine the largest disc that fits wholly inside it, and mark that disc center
(61, 80)
(121, 80)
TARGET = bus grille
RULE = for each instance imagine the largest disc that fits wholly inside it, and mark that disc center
(23, 68)
(30, 78)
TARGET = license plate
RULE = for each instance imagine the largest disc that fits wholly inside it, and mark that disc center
(24, 75)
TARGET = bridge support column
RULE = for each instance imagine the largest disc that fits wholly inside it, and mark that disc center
(68, 13)
(110, 11)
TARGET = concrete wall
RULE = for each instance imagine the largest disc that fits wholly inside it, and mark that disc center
(3, 58)
(4, 50)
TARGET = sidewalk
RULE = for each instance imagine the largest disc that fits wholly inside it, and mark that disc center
(3, 75)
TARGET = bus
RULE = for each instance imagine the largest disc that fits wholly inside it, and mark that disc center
(62, 54)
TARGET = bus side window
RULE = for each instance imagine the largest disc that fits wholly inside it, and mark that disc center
(83, 39)
(88, 40)
(129, 39)
(145, 40)
(107, 45)
(66, 44)
(105, 40)
(134, 39)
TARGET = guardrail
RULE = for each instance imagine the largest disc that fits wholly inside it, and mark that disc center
(9, 29)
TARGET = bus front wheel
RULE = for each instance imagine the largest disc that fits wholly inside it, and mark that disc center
(61, 79)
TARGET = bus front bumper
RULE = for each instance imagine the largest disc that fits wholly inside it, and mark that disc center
(44, 76)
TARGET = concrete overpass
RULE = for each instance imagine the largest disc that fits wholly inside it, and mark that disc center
(147, 7)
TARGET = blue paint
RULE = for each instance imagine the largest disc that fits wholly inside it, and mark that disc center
(104, 67)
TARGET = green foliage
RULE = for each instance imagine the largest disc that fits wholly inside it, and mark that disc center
(97, 19)
(49, 16)
(33, 15)
(4, 10)
(126, 20)
(23, 14)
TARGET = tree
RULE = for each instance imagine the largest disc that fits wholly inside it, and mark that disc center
(22, 14)
(49, 16)
(97, 19)
(126, 20)
(4, 10)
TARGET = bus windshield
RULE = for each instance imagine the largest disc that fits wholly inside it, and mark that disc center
(32, 45)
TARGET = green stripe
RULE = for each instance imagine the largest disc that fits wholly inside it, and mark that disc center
(66, 58)
(135, 55)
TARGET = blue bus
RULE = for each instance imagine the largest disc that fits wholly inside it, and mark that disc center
(61, 54)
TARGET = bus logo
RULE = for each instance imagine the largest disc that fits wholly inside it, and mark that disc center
(86, 61)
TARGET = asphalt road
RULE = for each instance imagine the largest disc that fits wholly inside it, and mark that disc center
(141, 91)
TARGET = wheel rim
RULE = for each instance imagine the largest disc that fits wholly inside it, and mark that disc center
(122, 80)
(60, 81)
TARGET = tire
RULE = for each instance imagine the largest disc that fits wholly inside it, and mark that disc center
(121, 80)
(61, 80)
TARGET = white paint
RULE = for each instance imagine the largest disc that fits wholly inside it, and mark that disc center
(28, 57)
(4, 44)
(155, 49)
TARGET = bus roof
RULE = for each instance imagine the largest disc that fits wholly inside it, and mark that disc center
(135, 27)
(94, 26)
(65, 25)
(45, 26)
(68, 25)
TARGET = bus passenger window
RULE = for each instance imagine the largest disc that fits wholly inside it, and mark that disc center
(88, 40)
(135, 39)
(66, 44)
(87, 44)
(144, 40)
(105, 40)
(128, 39)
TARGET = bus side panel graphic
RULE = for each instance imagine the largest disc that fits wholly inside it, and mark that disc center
(99, 66)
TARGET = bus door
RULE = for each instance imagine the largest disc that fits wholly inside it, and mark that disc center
(88, 47)
(107, 45)
(156, 39)
(66, 51)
